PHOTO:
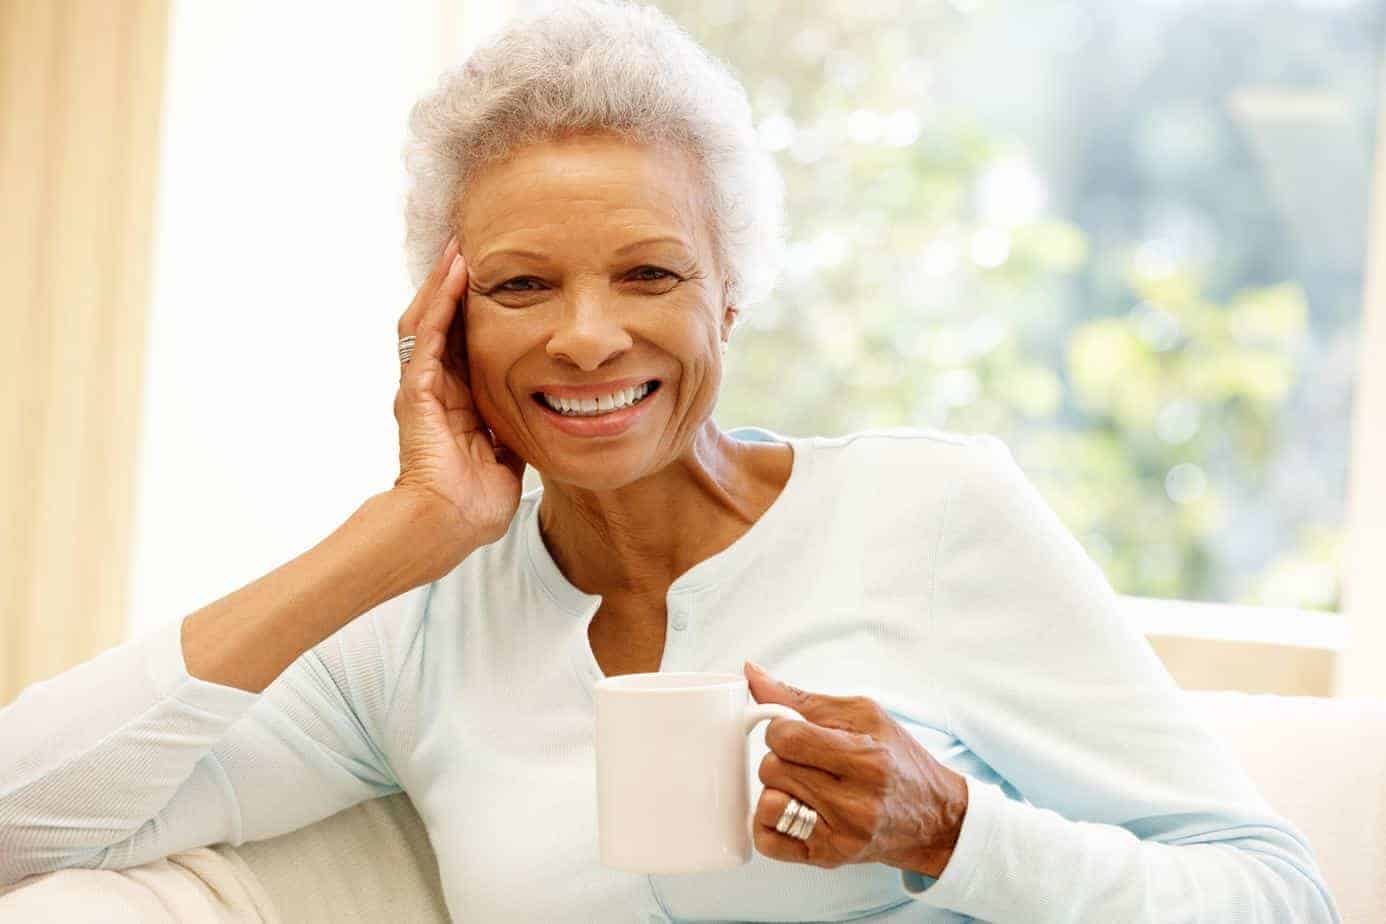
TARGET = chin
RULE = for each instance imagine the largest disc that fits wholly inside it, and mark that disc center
(599, 471)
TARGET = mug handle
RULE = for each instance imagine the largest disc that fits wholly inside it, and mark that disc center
(755, 714)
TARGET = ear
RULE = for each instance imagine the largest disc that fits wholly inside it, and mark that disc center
(729, 317)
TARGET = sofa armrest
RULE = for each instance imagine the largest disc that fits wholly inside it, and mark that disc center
(209, 885)
(371, 862)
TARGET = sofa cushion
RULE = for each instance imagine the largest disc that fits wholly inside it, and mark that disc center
(1321, 763)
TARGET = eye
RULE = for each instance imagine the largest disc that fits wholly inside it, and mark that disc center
(502, 286)
(653, 269)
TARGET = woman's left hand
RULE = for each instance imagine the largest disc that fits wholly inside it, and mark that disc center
(880, 796)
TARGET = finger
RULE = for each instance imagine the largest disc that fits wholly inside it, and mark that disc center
(455, 355)
(849, 713)
(769, 841)
(424, 296)
(431, 327)
(832, 749)
(438, 317)
(858, 713)
(419, 376)
(809, 785)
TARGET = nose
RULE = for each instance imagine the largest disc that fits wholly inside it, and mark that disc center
(588, 333)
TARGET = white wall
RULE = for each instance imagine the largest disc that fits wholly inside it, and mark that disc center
(279, 277)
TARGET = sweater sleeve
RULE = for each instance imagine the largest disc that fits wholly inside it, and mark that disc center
(128, 758)
(1122, 805)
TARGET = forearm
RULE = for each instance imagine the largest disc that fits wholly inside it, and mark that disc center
(93, 755)
(1018, 862)
(249, 637)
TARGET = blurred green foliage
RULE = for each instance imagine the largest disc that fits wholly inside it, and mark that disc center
(954, 263)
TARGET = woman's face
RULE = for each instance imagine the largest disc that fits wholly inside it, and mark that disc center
(590, 263)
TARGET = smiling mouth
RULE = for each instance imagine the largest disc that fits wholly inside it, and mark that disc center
(567, 407)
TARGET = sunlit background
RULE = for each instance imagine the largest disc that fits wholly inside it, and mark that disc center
(1130, 238)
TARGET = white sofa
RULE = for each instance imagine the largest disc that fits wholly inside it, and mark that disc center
(1320, 762)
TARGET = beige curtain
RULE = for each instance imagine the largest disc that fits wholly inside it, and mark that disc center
(80, 97)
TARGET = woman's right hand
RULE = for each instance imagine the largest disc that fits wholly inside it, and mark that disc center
(446, 452)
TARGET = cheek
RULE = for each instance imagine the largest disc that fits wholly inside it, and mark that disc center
(689, 332)
(491, 351)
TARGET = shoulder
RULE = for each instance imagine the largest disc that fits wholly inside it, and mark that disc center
(913, 483)
(905, 457)
(969, 484)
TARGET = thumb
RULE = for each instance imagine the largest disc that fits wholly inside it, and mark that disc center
(766, 689)
(844, 712)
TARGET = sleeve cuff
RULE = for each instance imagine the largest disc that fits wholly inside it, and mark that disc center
(979, 824)
(169, 674)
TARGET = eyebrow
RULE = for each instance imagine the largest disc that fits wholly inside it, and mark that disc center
(620, 251)
(651, 240)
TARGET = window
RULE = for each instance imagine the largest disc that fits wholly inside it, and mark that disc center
(277, 284)
(1126, 237)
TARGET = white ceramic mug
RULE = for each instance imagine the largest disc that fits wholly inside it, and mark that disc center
(672, 775)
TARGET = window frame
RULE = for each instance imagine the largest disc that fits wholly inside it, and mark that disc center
(1360, 670)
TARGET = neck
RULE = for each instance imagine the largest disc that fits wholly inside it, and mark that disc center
(636, 539)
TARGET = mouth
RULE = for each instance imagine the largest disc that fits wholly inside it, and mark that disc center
(614, 403)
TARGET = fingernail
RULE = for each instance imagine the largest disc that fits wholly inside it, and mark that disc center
(456, 265)
(757, 667)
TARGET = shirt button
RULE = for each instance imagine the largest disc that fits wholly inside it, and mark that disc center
(680, 621)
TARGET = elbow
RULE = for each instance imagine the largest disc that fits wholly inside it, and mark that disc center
(1313, 898)
(1304, 895)
(16, 865)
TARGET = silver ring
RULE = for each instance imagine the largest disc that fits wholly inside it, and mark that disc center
(804, 823)
(790, 813)
(406, 349)
(797, 821)
(797, 826)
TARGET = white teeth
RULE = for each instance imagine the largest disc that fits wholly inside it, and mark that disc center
(590, 407)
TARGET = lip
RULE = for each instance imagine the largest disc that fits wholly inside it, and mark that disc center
(594, 391)
(611, 424)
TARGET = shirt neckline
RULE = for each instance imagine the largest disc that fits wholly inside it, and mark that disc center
(710, 571)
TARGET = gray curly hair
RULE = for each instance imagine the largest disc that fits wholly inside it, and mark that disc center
(598, 65)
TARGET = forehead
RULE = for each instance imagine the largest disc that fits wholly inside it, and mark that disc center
(568, 189)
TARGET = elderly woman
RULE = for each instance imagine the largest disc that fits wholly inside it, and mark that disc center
(984, 738)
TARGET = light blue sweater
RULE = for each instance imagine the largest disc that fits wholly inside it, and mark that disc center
(918, 568)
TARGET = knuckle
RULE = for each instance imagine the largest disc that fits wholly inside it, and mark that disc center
(856, 844)
(413, 387)
(863, 705)
(867, 710)
(769, 765)
(792, 735)
(875, 767)
(762, 841)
